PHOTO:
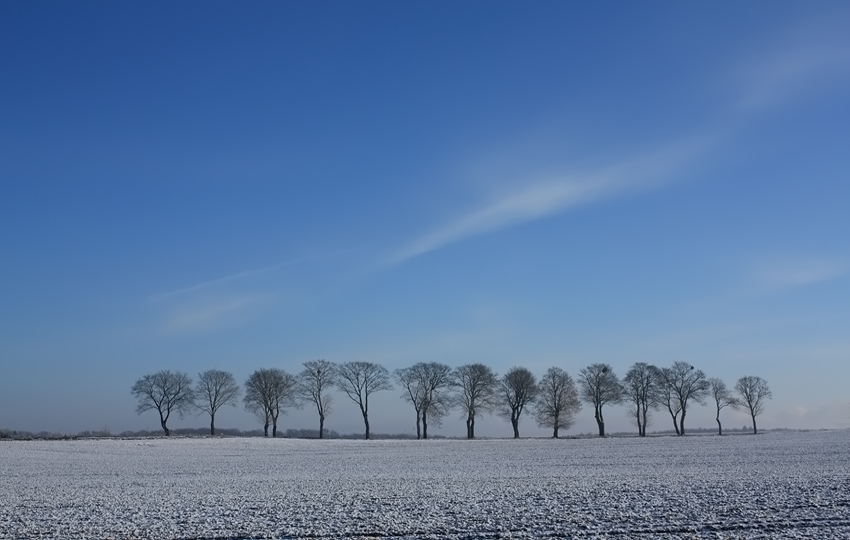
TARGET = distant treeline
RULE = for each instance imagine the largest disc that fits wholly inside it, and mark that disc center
(196, 432)
(21, 435)
(434, 389)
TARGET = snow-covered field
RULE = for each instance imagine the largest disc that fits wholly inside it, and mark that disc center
(775, 485)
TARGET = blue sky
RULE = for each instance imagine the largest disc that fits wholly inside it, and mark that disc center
(208, 185)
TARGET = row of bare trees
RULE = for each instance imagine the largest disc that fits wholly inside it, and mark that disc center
(434, 389)
(672, 389)
(268, 391)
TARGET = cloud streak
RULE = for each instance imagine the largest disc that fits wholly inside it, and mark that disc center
(219, 281)
(787, 273)
(211, 314)
(811, 61)
(545, 198)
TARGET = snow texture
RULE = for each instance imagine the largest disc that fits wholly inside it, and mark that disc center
(774, 485)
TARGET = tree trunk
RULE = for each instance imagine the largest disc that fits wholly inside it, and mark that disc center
(424, 424)
(274, 429)
(212, 424)
(515, 424)
(555, 434)
(719, 427)
(600, 422)
(418, 426)
(755, 430)
(366, 421)
(165, 428)
(470, 427)
(675, 425)
(640, 426)
(682, 423)
(266, 429)
(321, 426)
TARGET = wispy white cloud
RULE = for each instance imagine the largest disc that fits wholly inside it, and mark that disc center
(318, 256)
(539, 199)
(219, 281)
(211, 314)
(792, 272)
(816, 56)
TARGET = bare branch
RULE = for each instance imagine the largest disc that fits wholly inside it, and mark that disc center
(314, 381)
(640, 388)
(754, 392)
(359, 380)
(268, 392)
(166, 392)
(426, 386)
(476, 386)
(517, 389)
(215, 389)
(680, 384)
(557, 402)
(598, 385)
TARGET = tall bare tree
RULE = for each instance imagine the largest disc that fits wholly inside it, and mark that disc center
(476, 386)
(214, 390)
(665, 396)
(684, 383)
(268, 392)
(413, 393)
(436, 382)
(754, 391)
(558, 402)
(722, 398)
(314, 383)
(639, 388)
(517, 390)
(166, 392)
(426, 386)
(359, 380)
(598, 385)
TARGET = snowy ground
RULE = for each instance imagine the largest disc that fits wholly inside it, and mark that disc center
(775, 485)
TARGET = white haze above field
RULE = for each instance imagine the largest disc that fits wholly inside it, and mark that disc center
(555, 184)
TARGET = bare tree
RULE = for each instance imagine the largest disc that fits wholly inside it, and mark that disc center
(722, 398)
(436, 382)
(215, 389)
(268, 392)
(754, 391)
(426, 386)
(664, 396)
(599, 385)
(359, 380)
(517, 389)
(558, 402)
(476, 386)
(165, 391)
(683, 383)
(639, 388)
(413, 393)
(314, 381)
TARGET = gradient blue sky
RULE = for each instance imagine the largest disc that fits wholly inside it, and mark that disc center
(197, 185)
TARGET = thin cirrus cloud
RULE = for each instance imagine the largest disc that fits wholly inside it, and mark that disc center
(546, 198)
(211, 314)
(219, 281)
(249, 274)
(788, 272)
(812, 60)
